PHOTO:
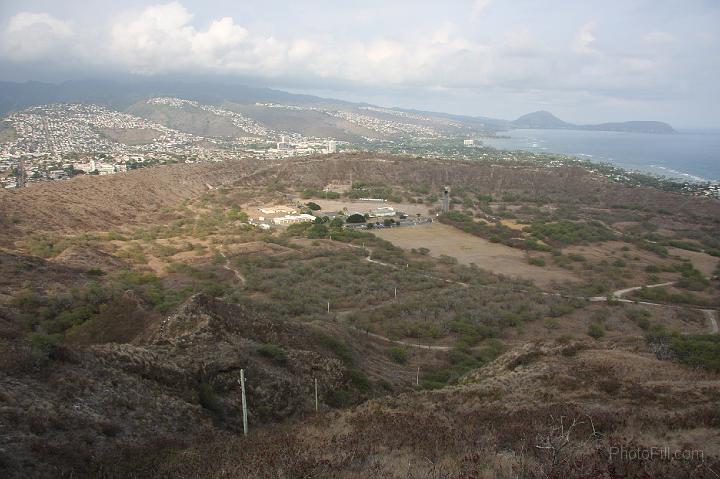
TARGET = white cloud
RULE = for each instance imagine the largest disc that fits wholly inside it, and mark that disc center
(585, 39)
(166, 39)
(479, 6)
(658, 38)
(30, 36)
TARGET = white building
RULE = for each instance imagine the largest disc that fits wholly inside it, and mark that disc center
(274, 210)
(292, 219)
(383, 211)
(332, 146)
(469, 142)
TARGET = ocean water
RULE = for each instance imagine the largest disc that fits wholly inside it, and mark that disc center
(688, 155)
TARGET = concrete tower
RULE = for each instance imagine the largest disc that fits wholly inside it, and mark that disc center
(446, 199)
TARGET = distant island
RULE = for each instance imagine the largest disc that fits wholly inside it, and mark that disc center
(546, 120)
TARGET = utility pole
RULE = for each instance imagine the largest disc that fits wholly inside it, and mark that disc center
(328, 307)
(316, 396)
(417, 377)
(395, 292)
(244, 402)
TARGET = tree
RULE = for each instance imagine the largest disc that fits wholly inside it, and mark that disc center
(313, 206)
(356, 218)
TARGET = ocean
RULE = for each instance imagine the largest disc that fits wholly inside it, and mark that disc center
(692, 155)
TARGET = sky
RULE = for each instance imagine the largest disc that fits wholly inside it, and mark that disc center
(585, 61)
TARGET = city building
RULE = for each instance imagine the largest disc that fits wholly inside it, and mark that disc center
(332, 146)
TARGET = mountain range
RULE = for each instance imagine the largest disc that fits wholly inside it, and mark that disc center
(121, 95)
(546, 120)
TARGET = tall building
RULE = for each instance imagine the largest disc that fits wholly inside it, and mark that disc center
(469, 142)
(332, 146)
(283, 144)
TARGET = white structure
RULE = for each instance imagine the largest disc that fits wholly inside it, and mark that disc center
(292, 219)
(332, 146)
(274, 210)
(383, 211)
(469, 142)
(283, 144)
(105, 168)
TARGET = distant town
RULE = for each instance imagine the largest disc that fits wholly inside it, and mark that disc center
(59, 141)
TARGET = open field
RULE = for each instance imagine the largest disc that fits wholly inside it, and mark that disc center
(131, 136)
(442, 239)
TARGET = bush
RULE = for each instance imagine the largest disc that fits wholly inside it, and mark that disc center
(42, 346)
(698, 350)
(336, 346)
(208, 398)
(596, 331)
(359, 379)
(313, 206)
(536, 261)
(399, 354)
(274, 352)
(567, 232)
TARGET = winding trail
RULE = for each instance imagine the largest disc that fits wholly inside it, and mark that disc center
(711, 316)
(237, 273)
(401, 343)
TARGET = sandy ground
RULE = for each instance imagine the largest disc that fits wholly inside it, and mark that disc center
(442, 239)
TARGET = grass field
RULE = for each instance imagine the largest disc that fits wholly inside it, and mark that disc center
(442, 239)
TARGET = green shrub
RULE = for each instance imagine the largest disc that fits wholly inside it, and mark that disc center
(42, 346)
(359, 379)
(596, 331)
(536, 261)
(274, 352)
(207, 397)
(399, 354)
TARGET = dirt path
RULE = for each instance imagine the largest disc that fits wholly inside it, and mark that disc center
(711, 316)
(621, 292)
(401, 343)
(237, 273)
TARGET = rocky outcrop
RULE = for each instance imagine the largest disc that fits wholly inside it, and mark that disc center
(175, 386)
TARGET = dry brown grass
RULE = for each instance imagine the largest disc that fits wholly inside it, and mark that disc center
(442, 239)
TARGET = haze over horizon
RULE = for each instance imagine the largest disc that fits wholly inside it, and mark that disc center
(631, 60)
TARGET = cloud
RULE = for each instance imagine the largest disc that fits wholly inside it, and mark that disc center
(31, 36)
(167, 39)
(585, 39)
(658, 38)
(479, 6)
